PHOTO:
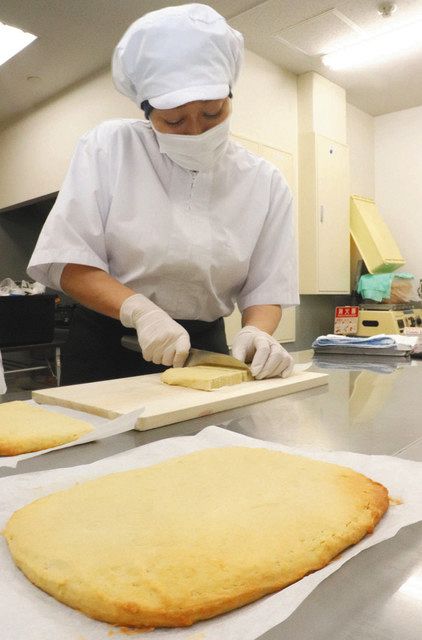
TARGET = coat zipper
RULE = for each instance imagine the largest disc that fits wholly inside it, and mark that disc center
(194, 175)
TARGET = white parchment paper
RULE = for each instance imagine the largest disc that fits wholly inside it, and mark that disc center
(27, 613)
(102, 428)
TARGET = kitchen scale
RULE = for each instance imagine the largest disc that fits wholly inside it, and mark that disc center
(375, 318)
(374, 250)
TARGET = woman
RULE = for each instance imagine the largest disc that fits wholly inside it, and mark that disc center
(161, 226)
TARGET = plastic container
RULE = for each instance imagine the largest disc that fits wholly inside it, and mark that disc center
(372, 237)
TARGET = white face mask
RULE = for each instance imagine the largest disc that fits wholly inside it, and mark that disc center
(196, 153)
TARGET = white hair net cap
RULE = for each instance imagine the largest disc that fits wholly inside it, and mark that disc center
(176, 55)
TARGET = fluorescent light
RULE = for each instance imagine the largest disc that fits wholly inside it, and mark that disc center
(377, 49)
(12, 40)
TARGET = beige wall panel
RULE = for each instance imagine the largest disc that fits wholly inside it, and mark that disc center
(322, 107)
(360, 139)
(35, 151)
(398, 181)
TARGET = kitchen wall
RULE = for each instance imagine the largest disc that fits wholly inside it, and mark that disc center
(265, 104)
(398, 181)
(264, 108)
(36, 149)
(360, 138)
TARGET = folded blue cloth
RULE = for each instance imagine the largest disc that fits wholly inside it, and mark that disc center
(380, 340)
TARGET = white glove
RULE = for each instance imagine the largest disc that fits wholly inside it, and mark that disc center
(268, 358)
(162, 339)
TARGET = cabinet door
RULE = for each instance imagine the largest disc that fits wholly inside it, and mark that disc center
(332, 216)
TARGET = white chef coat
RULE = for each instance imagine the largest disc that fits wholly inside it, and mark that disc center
(194, 243)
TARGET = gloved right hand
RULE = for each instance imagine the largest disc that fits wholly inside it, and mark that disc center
(162, 339)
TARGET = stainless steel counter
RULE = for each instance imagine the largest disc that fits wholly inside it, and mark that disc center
(378, 594)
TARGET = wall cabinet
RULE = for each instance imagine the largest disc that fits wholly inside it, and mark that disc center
(324, 244)
(285, 332)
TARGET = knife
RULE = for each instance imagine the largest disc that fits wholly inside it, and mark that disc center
(196, 356)
(210, 358)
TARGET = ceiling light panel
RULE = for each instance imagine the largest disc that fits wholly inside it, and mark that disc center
(321, 34)
(376, 50)
(12, 40)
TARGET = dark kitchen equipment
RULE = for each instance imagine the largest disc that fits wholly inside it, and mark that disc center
(26, 319)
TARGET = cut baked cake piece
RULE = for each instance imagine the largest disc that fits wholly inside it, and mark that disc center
(206, 378)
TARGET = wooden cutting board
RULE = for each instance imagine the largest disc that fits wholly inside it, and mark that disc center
(165, 404)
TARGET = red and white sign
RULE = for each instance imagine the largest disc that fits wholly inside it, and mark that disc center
(346, 321)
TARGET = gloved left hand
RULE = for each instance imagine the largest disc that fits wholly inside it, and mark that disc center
(268, 358)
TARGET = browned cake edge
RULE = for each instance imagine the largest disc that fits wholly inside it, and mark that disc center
(7, 450)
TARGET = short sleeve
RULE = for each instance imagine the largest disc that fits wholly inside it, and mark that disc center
(74, 229)
(272, 275)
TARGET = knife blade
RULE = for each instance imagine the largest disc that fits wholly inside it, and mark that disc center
(196, 357)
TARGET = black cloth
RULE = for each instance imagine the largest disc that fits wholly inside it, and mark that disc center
(93, 350)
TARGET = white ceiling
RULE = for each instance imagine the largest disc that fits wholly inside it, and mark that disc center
(76, 38)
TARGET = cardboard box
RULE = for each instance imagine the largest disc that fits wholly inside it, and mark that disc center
(346, 321)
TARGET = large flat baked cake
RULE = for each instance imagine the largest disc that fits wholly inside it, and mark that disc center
(194, 536)
(25, 428)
